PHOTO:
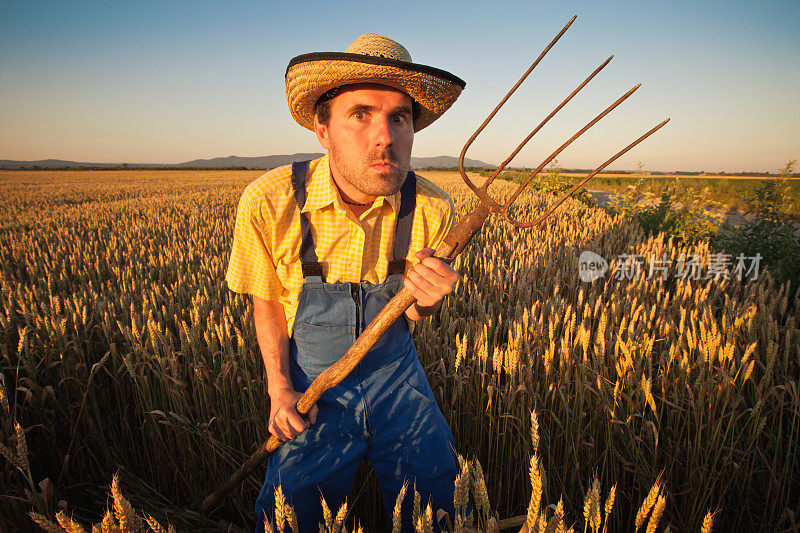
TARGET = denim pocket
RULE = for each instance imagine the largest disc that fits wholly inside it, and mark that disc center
(418, 386)
(318, 347)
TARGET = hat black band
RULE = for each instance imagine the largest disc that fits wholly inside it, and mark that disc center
(374, 60)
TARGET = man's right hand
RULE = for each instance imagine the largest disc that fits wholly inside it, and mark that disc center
(284, 420)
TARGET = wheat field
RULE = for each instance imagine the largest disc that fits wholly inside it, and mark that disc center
(613, 405)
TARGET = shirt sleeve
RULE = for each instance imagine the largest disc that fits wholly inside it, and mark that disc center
(251, 269)
(446, 224)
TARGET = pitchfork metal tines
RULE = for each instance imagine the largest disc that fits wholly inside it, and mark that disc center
(452, 245)
(487, 203)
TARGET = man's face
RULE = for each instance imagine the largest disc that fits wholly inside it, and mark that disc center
(369, 136)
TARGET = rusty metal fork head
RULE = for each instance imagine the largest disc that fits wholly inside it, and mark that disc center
(482, 191)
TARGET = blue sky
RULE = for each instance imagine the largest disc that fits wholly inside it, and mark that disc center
(172, 81)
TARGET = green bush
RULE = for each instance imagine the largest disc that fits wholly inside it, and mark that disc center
(771, 233)
(678, 213)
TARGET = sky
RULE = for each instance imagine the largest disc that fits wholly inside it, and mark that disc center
(167, 82)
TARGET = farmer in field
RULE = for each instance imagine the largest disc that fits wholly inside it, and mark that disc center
(322, 246)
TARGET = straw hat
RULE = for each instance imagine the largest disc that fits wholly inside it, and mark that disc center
(371, 58)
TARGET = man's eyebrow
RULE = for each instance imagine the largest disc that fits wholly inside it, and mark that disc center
(361, 107)
(369, 108)
(402, 109)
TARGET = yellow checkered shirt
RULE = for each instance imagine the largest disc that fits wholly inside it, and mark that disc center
(265, 258)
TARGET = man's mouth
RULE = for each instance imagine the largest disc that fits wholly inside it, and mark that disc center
(382, 165)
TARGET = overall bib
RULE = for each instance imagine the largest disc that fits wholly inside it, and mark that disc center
(384, 410)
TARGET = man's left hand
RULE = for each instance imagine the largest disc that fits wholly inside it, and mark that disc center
(429, 281)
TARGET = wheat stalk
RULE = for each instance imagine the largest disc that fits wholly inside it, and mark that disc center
(397, 518)
(708, 523)
(536, 493)
(609, 505)
(123, 510)
(655, 518)
(648, 504)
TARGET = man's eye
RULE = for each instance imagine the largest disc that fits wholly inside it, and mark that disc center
(399, 119)
(359, 115)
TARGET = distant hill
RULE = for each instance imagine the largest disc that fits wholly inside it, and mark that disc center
(233, 161)
(264, 161)
(44, 164)
(269, 161)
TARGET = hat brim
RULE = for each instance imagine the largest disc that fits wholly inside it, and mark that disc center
(309, 76)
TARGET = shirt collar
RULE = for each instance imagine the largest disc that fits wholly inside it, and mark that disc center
(321, 191)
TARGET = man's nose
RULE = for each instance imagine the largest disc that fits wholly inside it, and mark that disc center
(382, 131)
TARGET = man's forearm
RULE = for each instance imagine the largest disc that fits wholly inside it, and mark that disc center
(273, 341)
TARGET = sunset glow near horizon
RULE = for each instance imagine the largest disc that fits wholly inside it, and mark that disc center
(167, 82)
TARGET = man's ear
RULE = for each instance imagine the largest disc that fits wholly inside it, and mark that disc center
(322, 133)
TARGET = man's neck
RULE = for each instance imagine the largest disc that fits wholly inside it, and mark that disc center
(356, 201)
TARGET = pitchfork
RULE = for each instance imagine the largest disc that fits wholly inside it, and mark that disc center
(453, 244)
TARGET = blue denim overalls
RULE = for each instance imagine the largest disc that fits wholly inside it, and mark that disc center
(384, 410)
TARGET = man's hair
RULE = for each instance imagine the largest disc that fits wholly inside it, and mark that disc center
(322, 108)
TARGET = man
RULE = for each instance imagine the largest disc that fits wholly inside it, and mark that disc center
(322, 246)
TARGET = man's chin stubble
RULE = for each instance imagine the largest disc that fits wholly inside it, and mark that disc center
(392, 183)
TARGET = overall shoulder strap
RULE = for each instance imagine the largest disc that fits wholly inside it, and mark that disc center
(308, 256)
(405, 220)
